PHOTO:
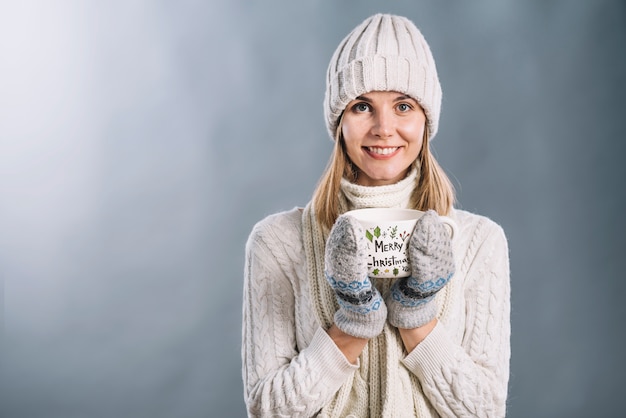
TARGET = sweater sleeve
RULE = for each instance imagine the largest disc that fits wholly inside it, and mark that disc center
(279, 380)
(471, 379)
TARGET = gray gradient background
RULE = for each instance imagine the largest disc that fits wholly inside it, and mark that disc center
(140, 141)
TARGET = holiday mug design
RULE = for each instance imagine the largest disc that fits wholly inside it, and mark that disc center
(387, 233)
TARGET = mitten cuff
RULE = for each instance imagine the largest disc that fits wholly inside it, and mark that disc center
(416, 316)
(362, 325)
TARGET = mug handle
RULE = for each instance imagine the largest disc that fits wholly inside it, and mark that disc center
(452, 227)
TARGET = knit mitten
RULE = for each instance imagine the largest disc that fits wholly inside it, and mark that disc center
(362, 311)
(411, 301)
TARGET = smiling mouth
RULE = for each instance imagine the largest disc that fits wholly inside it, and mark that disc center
(382, 151)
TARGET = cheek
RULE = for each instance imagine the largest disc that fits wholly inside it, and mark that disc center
(347, 130)
(352, 149)
(351, 136)
(414, 133)
(419, 135)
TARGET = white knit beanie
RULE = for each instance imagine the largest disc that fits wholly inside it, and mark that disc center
(384, 53)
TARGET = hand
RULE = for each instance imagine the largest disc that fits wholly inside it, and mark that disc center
(411, 299)
(362, 311)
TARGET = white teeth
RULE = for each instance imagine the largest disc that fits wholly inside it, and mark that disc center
(382, 151)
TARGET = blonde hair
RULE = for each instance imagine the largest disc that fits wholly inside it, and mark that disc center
(433, 190)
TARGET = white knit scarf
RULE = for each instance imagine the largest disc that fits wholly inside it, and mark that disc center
(382, 386)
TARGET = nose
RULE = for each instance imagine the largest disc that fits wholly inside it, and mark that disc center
(383, 123)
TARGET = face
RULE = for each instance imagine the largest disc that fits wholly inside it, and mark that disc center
(383, 133)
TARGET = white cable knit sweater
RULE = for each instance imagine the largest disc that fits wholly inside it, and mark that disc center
(291, 367)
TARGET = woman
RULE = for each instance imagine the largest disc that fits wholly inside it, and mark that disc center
(312, 347)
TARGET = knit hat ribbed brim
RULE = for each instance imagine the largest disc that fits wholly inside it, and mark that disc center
(383, 53)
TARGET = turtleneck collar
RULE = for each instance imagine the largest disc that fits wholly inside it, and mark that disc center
(397, 195)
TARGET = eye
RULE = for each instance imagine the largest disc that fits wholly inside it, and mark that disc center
(404, 107)
(361, 107)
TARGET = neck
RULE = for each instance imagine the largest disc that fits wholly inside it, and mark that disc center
(388, 196)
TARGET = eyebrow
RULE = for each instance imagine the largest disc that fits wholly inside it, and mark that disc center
(397, 99)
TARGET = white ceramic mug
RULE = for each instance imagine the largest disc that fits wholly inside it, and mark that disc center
(387, 233)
